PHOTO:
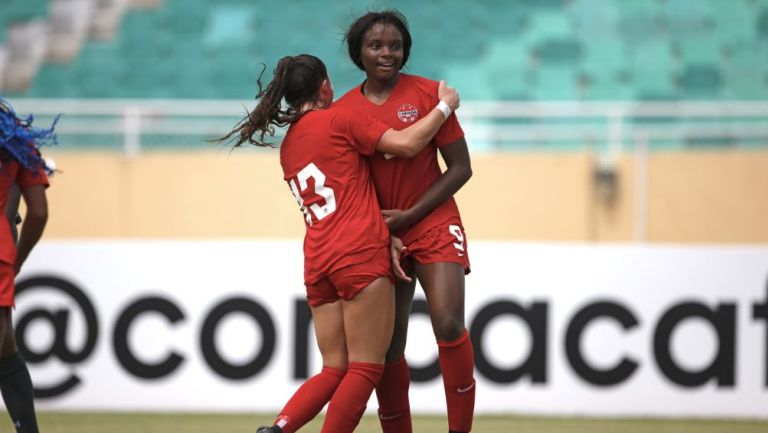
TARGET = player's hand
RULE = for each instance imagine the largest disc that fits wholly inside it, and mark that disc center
(396, 219)
(396, 251)
(449, 95)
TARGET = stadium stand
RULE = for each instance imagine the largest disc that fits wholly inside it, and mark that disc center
(550, 50)
(524, 51)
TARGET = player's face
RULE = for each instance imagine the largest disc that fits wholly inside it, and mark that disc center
(382, 52)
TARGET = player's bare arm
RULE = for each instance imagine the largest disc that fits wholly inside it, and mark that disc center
(33, 224)
(457, 173)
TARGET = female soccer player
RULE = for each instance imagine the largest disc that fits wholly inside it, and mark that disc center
(418, 204)
(347, 268)
(20, 164)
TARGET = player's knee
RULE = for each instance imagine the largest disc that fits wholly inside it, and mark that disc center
(449, 329)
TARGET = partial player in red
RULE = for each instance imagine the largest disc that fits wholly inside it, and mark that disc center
(20, 165)
(347, 267)
(417, 198)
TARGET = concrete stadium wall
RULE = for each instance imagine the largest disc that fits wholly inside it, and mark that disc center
(692, 197)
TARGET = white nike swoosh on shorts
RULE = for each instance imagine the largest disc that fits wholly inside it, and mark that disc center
(463, 390)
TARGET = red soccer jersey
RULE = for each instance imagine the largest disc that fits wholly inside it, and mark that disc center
(400, 182)
(324, 162)
(11, 172)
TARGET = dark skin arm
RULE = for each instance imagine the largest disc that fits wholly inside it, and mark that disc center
(33, 224)
(12, 209)
(457, 173)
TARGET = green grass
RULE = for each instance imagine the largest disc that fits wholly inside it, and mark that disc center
(55, 422)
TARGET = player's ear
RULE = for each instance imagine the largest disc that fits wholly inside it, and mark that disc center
(326, 90)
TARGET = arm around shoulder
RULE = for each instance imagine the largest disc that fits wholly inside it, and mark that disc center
(412, 140)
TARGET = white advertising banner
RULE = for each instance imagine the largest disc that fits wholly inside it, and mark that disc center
(558, 329)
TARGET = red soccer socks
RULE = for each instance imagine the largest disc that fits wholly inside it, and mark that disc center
(392, 393)
(349, 400)
(457, 362)
(309, 399)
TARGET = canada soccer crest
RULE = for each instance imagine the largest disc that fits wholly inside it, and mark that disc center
(408, 113)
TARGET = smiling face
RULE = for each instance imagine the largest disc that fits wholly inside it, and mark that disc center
(382, 52)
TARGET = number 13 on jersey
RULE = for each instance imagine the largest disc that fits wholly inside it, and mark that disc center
(300, 190)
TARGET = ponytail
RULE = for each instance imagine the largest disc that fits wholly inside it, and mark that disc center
(297, 80)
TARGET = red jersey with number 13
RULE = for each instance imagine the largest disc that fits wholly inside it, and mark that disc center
(324, 162)
(400, 182)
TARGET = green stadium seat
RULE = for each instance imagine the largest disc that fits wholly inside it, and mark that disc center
(23, 10)
(639, 20)
(762, 24)
(502, 20)
(609, 85)
(548, 25)
(55, 81)
(639, 7)
(687, 18)
(504, 83)
(555, 83)
(701, 82)
(700, 49)
(605, 54)
(651, 66)
(558, 51)
(512, 52)
(594, 18)
(465, 78)
(732, 21)
(746, 72)
(554, 4)
(230, 25)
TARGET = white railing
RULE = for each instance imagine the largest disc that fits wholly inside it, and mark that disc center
(606, 127)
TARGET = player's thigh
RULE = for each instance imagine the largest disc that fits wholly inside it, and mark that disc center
(404, 292)
(443, 285)
(328, 320)
(368, 321)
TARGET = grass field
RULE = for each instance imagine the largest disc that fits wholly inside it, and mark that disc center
(220, 423)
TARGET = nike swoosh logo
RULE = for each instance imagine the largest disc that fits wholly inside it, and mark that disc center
(388, 417)
(463, 390)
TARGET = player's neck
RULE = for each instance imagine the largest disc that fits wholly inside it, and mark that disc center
(312, 106)
(379, 91)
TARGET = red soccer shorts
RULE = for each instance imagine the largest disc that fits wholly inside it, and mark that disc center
(6, 285)
(347, 282)
(444, 243)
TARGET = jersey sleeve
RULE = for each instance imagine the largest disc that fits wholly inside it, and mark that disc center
(25, 178)
(449, 132)
(364, 130)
